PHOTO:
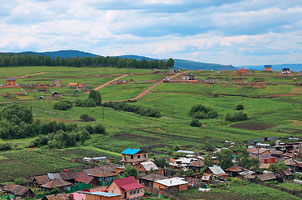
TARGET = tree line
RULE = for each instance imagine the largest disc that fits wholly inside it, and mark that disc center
(14, 60)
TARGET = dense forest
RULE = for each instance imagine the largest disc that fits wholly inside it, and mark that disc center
(13, 60)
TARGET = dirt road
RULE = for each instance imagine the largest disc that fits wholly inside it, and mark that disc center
(103, 85)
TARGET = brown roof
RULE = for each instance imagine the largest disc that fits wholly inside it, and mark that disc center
(100, 169)
(153, 177)
(18, 190)
(68, 175)
(83, 178)
(267, 177)
(264, 166)
(277, 152)
(289, 162)
(249, 176)
(198, 163)
(61, 196)
(254, 150)
(41, 179)
(104, 174)
(56, 183)
(287, 172)
(235, 169)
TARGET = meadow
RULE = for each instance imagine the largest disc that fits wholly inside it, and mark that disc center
(273, 108)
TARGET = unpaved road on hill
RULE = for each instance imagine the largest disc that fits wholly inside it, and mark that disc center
(103, 85)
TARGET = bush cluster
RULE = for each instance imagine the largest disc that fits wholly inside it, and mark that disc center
(240, 116)
(202, 112)
(63, 105)
(5, 146)
(85, 103)
(195, 123)
(133, 108)
(86, 118)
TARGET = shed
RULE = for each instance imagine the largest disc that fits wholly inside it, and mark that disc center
(149, 179)
(18, 190)
(146, 166)
(175, 184)
(267, 177)
(99, 195)
(61, 196)
(83, 178)
(56, 183)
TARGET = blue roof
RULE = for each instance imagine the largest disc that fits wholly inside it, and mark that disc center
(105, 194)
(129, 151)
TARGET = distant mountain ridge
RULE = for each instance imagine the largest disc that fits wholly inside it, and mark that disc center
(179, 64)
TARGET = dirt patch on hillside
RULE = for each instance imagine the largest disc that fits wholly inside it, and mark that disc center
(8, 96)
(253, 125)
(296, 123)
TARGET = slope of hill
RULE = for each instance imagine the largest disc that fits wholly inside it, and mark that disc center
(62, 53)
(188, 64)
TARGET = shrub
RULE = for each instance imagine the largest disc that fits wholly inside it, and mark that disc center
(85, 103)
(236, 117)
(5, 146)
(63, 105)
(239, 107)
(195, 123)
(202, 112)
(96, 97)
(99, 129)
(20, 181)
(86, 118)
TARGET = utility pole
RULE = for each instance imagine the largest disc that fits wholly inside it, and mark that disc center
(103, 113)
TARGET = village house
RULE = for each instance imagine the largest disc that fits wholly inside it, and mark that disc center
(134, 156)
(18, 190)
(104, 174)
(286, 71)
(268, 68)
(61, 196)
(84, 178)
(267, 177)
(72, 85)
(216, 172)
(234, 170)
(263, 155)
(11, 82)
(81, 86)
(37, 181)
(146, 167)
(175, 184)
(189, 77)
(128, 187)
(149, 179)
(57, 183)
(196, 166)
(57, 83)
(99, 195)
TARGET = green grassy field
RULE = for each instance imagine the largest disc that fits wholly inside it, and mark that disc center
(272, 107)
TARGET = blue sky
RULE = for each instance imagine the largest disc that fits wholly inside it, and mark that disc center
(237, 32)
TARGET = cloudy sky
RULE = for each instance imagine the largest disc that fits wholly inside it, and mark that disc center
(237, 32)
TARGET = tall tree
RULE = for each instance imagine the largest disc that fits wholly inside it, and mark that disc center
(225, 157)
(96, 96)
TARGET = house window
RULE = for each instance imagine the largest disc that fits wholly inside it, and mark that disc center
(138, 156)
(131, 157)
(145, 155)
(140, 167)
(130, 192)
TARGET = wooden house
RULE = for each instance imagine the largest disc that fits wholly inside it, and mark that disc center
(175, 184)
(128, 188)
(40, 180)
(104, 174)
(18, 190)
(72, 85)
(196, 166)
(84, 178)
(216, 172)
(149, 179)
(61, 196)
(146, 167)
(267, 177)
(102, 196)
(57, 183)
(134, 156)
(234, 170)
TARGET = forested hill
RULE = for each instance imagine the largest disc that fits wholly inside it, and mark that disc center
(12, 60)
(188, 64)
(180, 64)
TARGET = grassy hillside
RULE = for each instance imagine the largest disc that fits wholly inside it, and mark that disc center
(273, 107)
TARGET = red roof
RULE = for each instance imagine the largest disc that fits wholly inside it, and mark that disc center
(128, 183)
(83, 178)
